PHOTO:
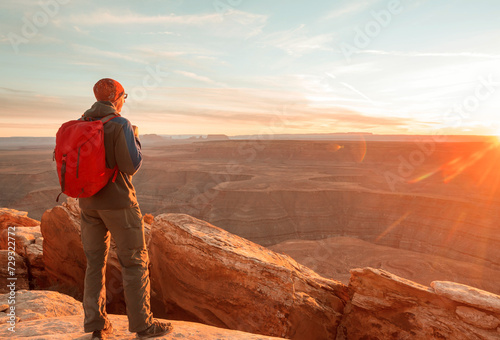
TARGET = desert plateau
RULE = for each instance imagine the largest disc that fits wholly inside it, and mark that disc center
(420, 207)
(413, 209)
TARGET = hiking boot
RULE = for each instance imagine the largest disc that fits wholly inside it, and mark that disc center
(156, 329)
(102, 334)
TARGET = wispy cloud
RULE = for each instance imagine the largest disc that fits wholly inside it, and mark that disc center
(431, 54)
(349, 9)
(293, 118)
(100, 18)
(161, 33)
(16, 91)
(96, 52)
(198, 77)
(248, 62)
(297, 41)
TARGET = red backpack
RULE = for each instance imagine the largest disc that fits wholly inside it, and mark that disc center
(81, 158)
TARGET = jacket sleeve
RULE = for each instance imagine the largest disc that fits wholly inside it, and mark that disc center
(128, 150)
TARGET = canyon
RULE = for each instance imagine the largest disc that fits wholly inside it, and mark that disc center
(423, 208)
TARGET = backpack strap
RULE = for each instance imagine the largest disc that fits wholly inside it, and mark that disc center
(108, 118)
(104, 121)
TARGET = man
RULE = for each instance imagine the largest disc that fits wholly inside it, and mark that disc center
(114, 209)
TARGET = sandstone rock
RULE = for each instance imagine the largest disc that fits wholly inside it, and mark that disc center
(72, 205)
(39, 278)
(20, 272)
(39, 240)
(34, 254)
(370, 302)
(468, 295)
(385, 306)
(12, 217)
(28, 242)
(70, 327)
(23, 236)
(51, 315)
(35, 304)
(149, 219)
(65, 261)
(477, 318)
(63, 255)
(227, 281)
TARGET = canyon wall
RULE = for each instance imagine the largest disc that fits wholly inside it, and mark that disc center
(446, 226)
(439, 199)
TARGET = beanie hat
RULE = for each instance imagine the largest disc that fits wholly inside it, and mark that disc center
(108, 89)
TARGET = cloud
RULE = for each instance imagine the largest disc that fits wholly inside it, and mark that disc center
(296, 41)
(294, 118)
(94, 51)
(431, 54)
(79, 30)
(199, 110)
(253, 109)
(161, 33)
(230, 24)
(349, 9)
(197, 77)
(101, 18)
(16, 91)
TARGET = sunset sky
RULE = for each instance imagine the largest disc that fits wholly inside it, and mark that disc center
(255, 67)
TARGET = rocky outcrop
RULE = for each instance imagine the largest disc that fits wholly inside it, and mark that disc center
(203, 273)
(39, 304)
(20, 273)
(227, 281)
(23, 238)
(12, 217)
(51, 315)
(385, 306)
(63, 255)
(21, 249)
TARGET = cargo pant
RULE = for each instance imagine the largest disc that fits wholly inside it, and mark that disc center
(127, 230)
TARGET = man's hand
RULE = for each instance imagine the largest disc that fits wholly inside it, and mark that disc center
(136, 130)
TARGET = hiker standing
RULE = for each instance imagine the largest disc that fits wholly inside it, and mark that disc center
(114, 209)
